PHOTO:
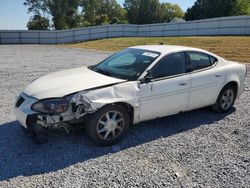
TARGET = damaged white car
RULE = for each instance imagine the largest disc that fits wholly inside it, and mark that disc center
(137, 84)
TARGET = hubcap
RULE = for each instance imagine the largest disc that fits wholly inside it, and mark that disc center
(227, 99)
(110, 125)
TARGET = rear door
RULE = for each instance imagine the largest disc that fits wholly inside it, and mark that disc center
(206, 80)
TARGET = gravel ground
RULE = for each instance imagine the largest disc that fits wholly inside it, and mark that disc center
(194, 149)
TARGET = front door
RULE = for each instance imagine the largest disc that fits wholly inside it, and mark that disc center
(167, 92)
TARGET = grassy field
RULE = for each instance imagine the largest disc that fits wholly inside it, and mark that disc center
(231, 48)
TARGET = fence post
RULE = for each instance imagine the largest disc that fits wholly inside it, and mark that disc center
(107, 30)
(137, 30)
(219, 25)
(38, 34)
(123, 33)
(179, 29)
(89, 33)
(150, 31)
(73, 35)
(162, 31)
(56, 37)
(197, 28)
(0, 37)
(19, 35)
(245, 29)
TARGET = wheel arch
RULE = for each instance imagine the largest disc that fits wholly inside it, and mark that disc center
(234, 75)
(129, 108)
(233, 83)
(216, 107)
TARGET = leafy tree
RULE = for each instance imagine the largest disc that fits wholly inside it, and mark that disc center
(142, 11)
(112, 9)
(102, 19)
(38, 7)
(151, 11)
(94, 10)
(217, 8)
(170, 11)
(63, 12)
(241, 7)
(38, 23)
(123, 22)
(90, 8)
(115, 20)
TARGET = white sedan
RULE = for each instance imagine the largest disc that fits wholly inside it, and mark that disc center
(136, 84)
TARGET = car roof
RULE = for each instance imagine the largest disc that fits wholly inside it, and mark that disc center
(165, 49)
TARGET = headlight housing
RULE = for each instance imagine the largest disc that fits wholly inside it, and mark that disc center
(51, 106)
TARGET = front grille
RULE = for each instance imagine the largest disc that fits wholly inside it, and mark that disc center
(20, 101)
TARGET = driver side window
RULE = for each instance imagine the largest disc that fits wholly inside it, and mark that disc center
(171, 65)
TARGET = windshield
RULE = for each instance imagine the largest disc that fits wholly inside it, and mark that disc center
(128, 64)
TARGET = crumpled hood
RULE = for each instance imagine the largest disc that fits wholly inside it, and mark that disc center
(65, 82)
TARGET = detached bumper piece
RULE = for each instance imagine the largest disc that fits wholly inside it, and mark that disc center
(37, 126)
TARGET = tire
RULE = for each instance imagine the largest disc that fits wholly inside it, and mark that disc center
(108, 125)
(39, 135)
(226, 99)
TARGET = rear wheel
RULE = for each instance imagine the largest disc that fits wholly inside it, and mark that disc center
(108, 125)
(226, 99)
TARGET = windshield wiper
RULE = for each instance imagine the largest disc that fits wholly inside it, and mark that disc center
(103, 72)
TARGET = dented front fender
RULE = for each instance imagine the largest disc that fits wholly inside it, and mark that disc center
(92, 100)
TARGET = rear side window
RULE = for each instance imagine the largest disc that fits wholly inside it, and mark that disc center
(171, 65)
(199, 60)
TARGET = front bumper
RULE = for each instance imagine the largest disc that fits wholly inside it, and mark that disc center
(23, 109)
(31, 120)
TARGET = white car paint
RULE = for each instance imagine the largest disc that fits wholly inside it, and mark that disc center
(206, 83)
(164, 97)
(148, 100)
(65, 82)
(25, 109)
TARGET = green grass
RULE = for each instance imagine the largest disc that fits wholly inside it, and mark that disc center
(231, 48)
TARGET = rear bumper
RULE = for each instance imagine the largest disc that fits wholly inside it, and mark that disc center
(242, 87)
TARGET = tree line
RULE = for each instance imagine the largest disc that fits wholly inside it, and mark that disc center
(68, 14)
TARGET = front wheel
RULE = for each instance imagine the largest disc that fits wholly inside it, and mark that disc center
(226, 99)
(108, 125)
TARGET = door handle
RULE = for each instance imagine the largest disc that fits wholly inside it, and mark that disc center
(183, 84)
(218, 75)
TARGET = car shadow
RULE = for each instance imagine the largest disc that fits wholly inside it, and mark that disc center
(20, 156)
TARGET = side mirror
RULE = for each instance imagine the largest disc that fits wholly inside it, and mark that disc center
(147, 78)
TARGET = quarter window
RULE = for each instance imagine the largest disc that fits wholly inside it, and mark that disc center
(171, 65)
(213, 60)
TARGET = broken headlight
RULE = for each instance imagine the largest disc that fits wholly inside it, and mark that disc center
(51, 106)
